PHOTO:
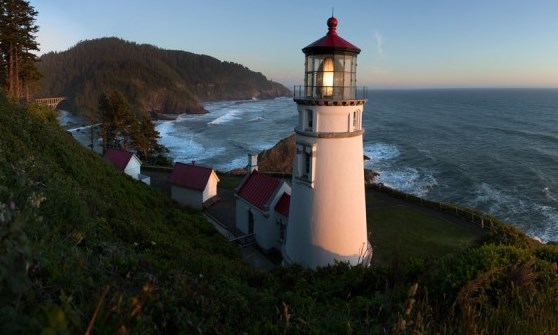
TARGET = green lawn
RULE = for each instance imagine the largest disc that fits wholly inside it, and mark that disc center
(406, 230)
(229, 182)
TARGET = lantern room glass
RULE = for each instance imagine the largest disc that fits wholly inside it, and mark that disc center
(330, 76)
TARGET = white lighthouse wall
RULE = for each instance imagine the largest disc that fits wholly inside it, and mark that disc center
(327, 219)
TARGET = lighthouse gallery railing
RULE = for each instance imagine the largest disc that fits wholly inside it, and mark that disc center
(302, 92)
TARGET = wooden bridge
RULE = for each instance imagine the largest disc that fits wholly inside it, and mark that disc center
(50, 102)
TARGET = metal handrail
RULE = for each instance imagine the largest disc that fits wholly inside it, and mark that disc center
(301, 92)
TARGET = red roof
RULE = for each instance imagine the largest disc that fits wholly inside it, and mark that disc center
(258, 188)
(282, 206)
(118, 157)
(190, 176)
(331, 42)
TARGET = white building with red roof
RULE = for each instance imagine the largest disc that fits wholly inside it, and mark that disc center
(262, 209)
(126, 162)
(193, 186)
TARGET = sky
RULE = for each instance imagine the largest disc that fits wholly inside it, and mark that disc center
(405, 43)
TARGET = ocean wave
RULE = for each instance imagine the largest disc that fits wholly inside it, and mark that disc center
(535, 219)
(236, 163)
(537, 136)
(198, 153)
(409, 180)
(548, 232)
(548, 194)
(380, 152)
(164, 128)
(496, 201)
(229, 116)
(182, 145)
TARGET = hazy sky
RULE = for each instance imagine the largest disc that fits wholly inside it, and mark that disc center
(405, 43)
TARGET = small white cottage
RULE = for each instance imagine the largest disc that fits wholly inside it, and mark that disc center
(262, 209)
(126, 162)
(192, 185)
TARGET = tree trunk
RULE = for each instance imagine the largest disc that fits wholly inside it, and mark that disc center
(16, 76)
(11, 69)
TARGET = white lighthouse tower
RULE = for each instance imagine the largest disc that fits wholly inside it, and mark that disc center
(327, 220)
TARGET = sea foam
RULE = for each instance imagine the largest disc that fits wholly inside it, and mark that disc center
(407, 179)
(380, 152)
(228, 117)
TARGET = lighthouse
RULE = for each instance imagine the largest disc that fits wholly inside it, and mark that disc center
(327, 220)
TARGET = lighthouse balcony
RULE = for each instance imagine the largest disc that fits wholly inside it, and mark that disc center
(330, 95)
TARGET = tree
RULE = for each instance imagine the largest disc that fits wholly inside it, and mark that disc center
(144, 138)
(120, 128)
(17, 44)
(116, 120)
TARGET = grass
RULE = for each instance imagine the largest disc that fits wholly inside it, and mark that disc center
(84, 246)
(229, 182)
(406, 230)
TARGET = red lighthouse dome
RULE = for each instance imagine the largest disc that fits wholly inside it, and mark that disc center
(331, 42)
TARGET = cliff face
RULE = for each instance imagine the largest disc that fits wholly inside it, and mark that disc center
(153, 80)
(279, 158)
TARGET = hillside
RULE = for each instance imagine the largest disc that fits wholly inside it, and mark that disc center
(152, 79)
(86, 247)
(279, 158)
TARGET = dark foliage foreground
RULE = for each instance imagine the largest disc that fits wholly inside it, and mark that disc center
(84, 249)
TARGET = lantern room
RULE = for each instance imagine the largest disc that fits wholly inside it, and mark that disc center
(330, 68)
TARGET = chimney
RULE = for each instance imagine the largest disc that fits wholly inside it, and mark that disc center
(252, 162)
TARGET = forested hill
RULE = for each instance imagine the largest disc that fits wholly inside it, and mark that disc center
(151, 79)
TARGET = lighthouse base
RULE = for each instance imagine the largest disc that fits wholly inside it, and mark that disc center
(318, 257)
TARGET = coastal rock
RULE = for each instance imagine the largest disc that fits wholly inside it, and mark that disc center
(162, 116)
(370, 176)
(279, 158)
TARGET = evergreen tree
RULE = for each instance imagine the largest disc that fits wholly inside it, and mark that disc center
(17, 44)
(116, 120)
(144, 138)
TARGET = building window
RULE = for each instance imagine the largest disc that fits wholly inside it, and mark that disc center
(354, 120)
(309, 119)
(305, 157)
(307, 164)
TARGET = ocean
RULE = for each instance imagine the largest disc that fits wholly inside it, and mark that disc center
(491, 149)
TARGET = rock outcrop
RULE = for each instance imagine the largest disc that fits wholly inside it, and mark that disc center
(278, 158)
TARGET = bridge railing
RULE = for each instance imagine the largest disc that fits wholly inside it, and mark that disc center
(51, 102)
